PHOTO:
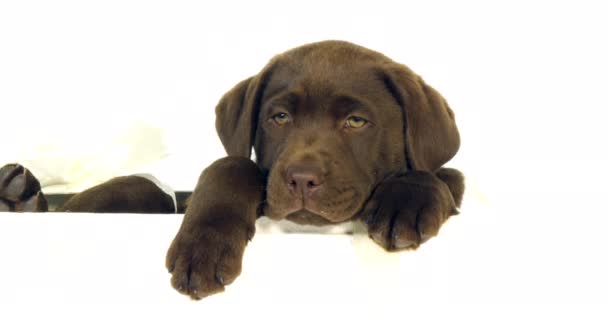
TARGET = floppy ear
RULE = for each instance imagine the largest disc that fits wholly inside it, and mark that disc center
(236, 116)
(431, 135)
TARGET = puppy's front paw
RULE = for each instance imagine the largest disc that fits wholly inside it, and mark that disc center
(20, 190)
(204, 259)
(407, 210)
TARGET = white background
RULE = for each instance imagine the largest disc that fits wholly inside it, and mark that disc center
(92, 89)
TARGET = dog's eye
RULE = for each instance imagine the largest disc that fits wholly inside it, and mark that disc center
(355, 122)
(281, 118)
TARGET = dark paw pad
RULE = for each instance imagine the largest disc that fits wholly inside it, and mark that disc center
(20, 190)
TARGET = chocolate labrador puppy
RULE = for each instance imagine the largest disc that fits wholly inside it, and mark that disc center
(340, 133)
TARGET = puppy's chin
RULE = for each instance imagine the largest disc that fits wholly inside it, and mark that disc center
(308, 217)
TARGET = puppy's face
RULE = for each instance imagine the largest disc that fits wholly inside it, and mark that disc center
(328, 122)
(328, 131)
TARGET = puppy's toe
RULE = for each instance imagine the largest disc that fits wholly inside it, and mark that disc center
(17, 183)
(203, 281)
(36, 203)
(20, 190)
(404, 234)
(229, 266)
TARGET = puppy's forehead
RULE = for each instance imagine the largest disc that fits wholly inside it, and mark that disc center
(327, 68)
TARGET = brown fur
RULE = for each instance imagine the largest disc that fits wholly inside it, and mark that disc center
(316, 169)
(132, 194)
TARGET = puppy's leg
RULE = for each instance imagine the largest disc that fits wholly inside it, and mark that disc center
(132, 194)
(20, 190)
(406, 210)
(207, 251)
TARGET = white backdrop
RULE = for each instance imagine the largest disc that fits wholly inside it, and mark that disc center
(93, 89)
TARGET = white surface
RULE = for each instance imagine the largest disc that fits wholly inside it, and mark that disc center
(483, 265)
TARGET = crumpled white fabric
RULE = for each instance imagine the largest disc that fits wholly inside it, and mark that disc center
(74, 159)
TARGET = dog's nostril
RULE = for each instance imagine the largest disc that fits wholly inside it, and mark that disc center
(304, 180)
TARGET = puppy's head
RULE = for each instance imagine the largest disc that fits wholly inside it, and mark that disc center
(328, 122)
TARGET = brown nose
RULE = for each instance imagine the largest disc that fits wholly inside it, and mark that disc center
(304, 180)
